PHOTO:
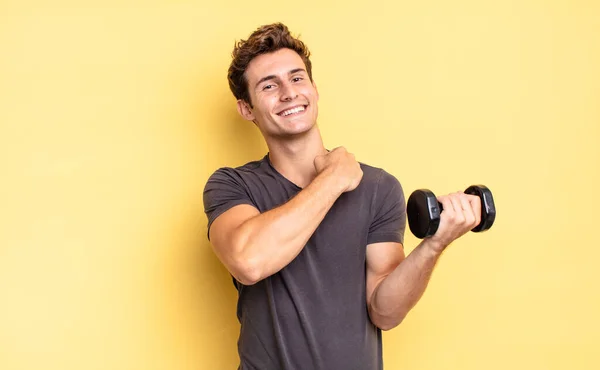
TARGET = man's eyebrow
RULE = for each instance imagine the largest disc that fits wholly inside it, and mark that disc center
(296, 70)
(272, 77)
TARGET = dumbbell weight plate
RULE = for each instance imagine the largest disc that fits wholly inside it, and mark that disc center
(488, 208)
(423, 211)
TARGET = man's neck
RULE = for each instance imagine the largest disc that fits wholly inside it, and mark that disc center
(294, 158)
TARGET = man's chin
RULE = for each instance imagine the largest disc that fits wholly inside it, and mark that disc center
(296, 131)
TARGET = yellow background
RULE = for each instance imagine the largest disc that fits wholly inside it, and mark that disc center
(114, 113)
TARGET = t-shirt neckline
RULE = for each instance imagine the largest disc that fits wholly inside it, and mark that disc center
(268, 160)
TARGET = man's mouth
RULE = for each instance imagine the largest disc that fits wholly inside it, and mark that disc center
(291, 111)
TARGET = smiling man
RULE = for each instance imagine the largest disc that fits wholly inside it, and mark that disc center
(313, 238)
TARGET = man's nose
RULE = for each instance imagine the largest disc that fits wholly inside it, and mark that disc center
(288, 92)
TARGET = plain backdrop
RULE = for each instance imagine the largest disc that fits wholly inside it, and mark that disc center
(113, 114)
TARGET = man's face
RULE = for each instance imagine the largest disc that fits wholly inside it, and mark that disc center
(283, 97)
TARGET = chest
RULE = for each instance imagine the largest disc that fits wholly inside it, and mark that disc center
(342, 235)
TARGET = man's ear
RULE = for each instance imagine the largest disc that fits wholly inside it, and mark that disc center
(244, 110)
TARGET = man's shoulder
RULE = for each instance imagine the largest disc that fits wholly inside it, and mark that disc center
(252, 165)
(246, 169)
(375, 176)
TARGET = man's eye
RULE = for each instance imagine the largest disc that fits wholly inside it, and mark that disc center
(296, 79)
(268, 87)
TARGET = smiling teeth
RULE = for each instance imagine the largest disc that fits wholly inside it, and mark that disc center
(293, 110)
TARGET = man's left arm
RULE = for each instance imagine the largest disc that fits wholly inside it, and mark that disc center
(394, 283)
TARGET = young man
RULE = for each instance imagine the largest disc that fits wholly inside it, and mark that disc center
(312, 237)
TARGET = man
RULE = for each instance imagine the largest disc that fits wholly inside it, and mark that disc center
(313, 238)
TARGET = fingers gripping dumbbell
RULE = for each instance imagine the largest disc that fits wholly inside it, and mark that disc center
(423, 211)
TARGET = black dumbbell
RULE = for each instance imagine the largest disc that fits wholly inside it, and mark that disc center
(423, 211)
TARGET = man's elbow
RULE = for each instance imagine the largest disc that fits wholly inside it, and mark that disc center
(246, 274)
(245, 268)
(385, 323)
(388, 326)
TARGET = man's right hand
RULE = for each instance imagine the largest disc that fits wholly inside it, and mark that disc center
(342, 166)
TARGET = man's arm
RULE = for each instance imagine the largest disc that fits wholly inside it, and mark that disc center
(253, 246)
(394, 283)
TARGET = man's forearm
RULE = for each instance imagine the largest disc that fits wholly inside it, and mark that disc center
(400, 291)
(268, 242)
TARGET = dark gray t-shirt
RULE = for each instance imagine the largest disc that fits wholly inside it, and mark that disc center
(313, 313)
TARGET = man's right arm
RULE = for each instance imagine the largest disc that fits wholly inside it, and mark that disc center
(253, 246)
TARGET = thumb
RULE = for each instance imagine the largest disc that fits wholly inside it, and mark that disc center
(319, 159)
(318, 162)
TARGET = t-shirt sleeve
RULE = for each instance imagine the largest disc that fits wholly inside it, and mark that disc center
(389, 211)
(224, 190)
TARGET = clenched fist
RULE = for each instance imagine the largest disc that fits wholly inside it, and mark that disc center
(462, 213)
(342, 166)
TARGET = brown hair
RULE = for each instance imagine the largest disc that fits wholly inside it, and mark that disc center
(265, 39)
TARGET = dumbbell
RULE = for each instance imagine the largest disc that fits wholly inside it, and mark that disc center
(423, 211)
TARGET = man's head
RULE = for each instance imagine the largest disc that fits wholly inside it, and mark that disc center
(271, 77)
(266, 39)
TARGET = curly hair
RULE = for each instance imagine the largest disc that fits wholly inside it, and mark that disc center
(266, 39)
